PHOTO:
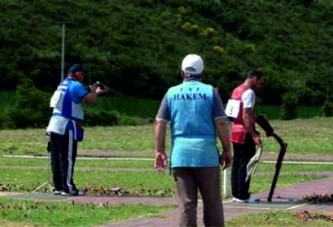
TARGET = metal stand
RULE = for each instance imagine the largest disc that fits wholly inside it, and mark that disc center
(42, 185)
(262, 121)
(47, 182)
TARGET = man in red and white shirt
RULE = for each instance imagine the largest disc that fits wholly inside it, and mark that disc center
(244, 136)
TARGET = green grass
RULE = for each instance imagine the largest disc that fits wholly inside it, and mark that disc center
(18, 212)
(25, 174)
(261, 183)
(302, 135)
(27, 179)
(303, 112)
(136, 177)
(147, 165)
(42, 162)
(273, 219)
(293, 168)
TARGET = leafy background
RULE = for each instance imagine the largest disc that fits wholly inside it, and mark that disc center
(136, 46)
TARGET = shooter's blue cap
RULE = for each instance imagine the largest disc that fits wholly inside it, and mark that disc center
(76, 68)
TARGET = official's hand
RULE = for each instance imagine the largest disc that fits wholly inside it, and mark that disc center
(161, 160)
(226, 160)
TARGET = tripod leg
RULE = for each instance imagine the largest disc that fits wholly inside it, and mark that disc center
(50, 186)
(42, 185)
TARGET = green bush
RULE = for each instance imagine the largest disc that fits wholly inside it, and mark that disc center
(101, 118)
(144, 2)
(4, 120)
(209, 31)
(132, 121)
(289, 106)
(218, 50)
(110, 118)
(30, 108)
(134, 45)
(26, 118)
(327, 109)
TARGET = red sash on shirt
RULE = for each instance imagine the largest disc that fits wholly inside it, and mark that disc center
(238, 130)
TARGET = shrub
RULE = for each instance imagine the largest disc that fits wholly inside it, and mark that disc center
(144, 2)
(4, 120)
(182, 10)
(195, 28)
(327, 109)
(132, 121)
(250, 48)
(27, 118)
(209, 31)
(101, 118)
(189, 28)
(30, 108)
(218, 50)
(289, 106)
(110, 118)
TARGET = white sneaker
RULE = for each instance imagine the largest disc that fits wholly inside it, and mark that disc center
(234, 199)
(249, 200)
(74, 193)
(252, 200)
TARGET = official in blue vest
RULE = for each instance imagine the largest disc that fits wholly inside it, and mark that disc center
(65, 127)
(197, 118)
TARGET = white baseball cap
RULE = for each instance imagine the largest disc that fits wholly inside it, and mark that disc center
(192, 64)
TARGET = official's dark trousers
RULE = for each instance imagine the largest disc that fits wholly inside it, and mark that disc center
(207, 181)
(241, 157)
(63, 156)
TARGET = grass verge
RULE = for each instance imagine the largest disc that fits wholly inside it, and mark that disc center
(280, 218)
(40, 213)
(302, 135)
(136, 177)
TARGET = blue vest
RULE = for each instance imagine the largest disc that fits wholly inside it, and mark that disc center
(67, 110)
(65, 105)
(193, 132)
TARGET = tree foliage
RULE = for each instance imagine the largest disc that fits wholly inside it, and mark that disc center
(137, 46)
(289, 106)
(30, 108)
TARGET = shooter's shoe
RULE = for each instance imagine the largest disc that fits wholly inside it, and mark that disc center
(253, 200)
(249, 200)
(74, 193)
(57, 192)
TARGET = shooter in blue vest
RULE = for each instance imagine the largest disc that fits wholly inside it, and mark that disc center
(65, 127)
(196, 116)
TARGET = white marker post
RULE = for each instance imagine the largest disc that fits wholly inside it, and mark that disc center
(226, 174)
(226, 183)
